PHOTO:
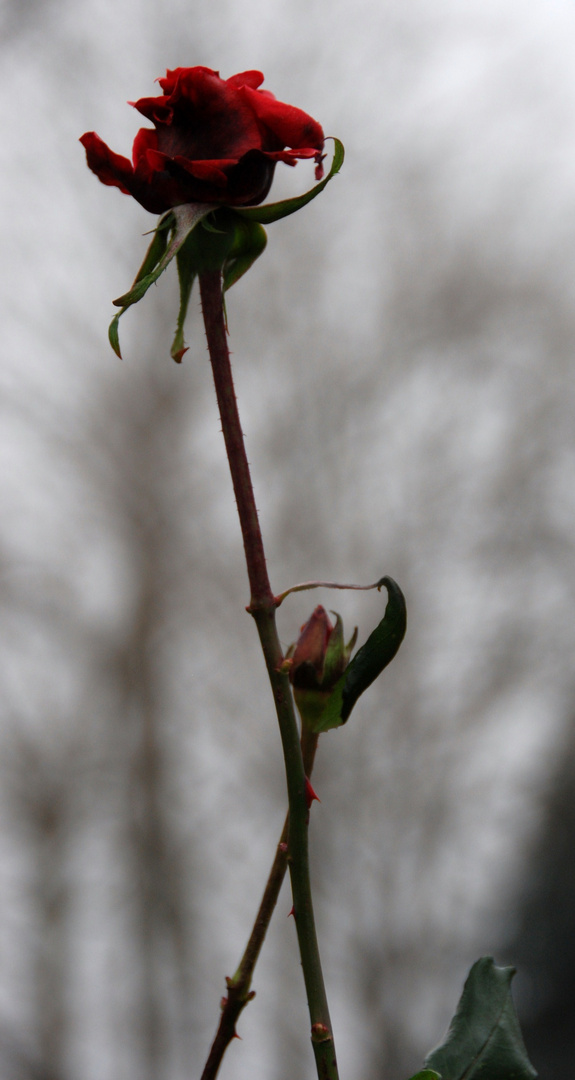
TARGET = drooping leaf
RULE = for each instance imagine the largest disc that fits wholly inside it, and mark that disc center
(484, 1040)
(274, 211)
(369, 661)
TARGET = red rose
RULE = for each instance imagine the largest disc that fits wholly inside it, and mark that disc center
(215, 141)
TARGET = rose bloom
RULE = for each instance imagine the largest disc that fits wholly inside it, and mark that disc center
(214, 141)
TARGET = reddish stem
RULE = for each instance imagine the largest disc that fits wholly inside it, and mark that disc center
(262, 607)
(211, 293)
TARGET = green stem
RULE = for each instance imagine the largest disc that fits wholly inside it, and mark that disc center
(239, 986)
(263, 608)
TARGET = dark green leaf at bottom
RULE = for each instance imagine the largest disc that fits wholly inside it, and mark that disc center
(484, 1040)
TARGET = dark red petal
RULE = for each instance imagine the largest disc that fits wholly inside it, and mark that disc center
(170, 82)
(211, 120)
(156, 109)
(250, 180)
(246, 78)
(209, 171)
(112, 169)
(291, 126)
(311, 646)
(146, 139)
(289, 157)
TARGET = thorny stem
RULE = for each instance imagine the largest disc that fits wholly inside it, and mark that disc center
(239, 992)
(263, 607)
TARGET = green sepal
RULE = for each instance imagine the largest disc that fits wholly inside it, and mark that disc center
(181, 220)
(186, 278)
(337, 653)
(113, 335)
(223, 241)
(368, 662)
(484, 1040)
(311, 704)
(334, 659)
(274, 211)
(176, 225)
(250, 239)
(152, 258)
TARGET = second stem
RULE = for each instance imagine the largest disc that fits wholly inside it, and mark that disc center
(263, 607)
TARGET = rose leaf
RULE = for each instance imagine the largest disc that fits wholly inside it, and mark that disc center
(484, 1038)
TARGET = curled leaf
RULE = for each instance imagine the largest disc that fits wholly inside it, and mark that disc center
(274, 211)
(379, 649)
(369, 661)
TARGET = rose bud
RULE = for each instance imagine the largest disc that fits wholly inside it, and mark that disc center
(317, 661)
(213, 141)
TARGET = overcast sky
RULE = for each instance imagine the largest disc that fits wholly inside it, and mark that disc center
(404, 360)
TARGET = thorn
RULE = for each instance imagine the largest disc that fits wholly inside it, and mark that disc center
(291, 912)
(310, 794)
(223, 1003)
(236, 1036)
(320, 1033)
(283, 848)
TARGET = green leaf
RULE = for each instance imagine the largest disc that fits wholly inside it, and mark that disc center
(369, 661)
(484, 1040)
(274, 211)
(426, 1074)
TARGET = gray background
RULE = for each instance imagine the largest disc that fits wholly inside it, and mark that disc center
(403, 355)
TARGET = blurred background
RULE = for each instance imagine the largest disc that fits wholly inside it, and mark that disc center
(404, 362)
